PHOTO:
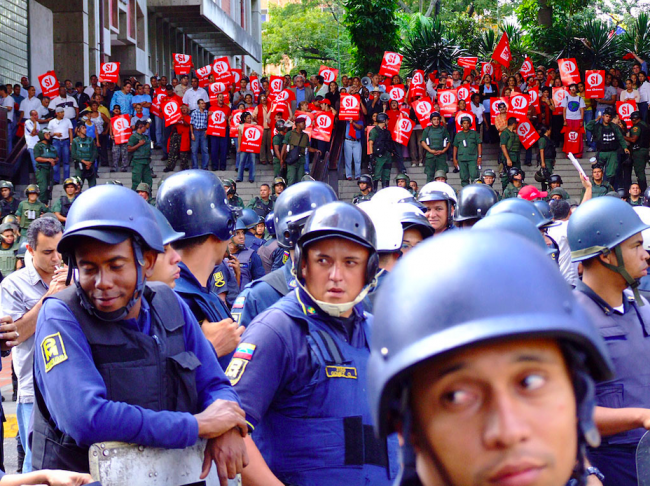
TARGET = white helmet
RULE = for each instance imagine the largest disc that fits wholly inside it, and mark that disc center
(387, 225)
(393, 195)
(437, 191)
(644, 214)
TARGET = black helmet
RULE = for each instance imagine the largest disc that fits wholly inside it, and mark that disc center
(522, 207)
(194, 203)
(412, 217)
(514, 223)
(32, 189)
(513, 171)
(489, 173)
(169, 235)
(365, 178)
(382, 118)
(230, 186)
(474, 201)
(269, 222)
(542, 174)
(70, 181)
(555, 179)
(609, 111)
(295, 205)
(544, 208)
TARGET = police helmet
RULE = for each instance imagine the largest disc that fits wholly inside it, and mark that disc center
(440, 173)
(194, 202)
(240, 224)
(7, 185)
(558, 191)
(609, 111)
(169, 235)
(514, 223)
(523, 208)
(10, 218)
(388, 228)
(279, 180)
(366, 179)
(295, 205)
(269, 222)
(69, 182)
(615, 194)
(382, 118)
(417, 318)
(32, 189)
(434, 114)
(474, 201)
(394, 195)
(144, 187)
(514, 171)
(22, 249)
(635, 115)
(307, 178)
(412, 217)
(249, 219)
(280, 126)
(544, 208)
(403, 177)
(542, 174)
(438, 191)
(114, 182)
(646, 197)
(555, 179)
(230, 186)
(6, 227)
(489, 173)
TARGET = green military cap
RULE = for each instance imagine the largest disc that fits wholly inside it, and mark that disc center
(558, 191)
(143, 187)
(440, 173)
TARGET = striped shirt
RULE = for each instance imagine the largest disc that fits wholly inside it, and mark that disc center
(199, 120)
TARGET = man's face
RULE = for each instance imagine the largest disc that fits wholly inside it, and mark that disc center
(6, 192)
(126, 88)
(174, 82)
(517, 178)
(62, 91)
(163, 80)
(260, 229)
(635, 190)
(68, 85)
(32, 196)
(335, 270)
(8, 237)
(502, 109)
(144, 195)
(435, 121)
(195, 83)
(608, 79)
(636, 69)
(45, 256)
(437, 214)
(243, 83)
(108, 274)
(573, 90)
(556, 197)
(455, 75)
(32, 92)
(93, 80)
(441, 179)
(70, 189)
(401, 183)
(466, 124)
(634, 256)
(264, 192)
(166, 269)
(554, 185)
(17, 90)
(363, 186)
(410, 240)
(25, 82)
(116, 110)
(597, 174)
(239, 237)
(138, 109)
(510, 407)
(185, 81)
(139, 90)
(489, 180)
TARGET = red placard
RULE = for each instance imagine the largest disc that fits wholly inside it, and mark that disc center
(309, 120)
(533, 94)
(350, 106)
(236, 79)
(572, 140)
(569, 71)
(235, 121)
(502, 53)
(217, 123)
(158, 96)
(402, 130)
(459, 117)
(494, 107)
(595, 84)
(255, 86)
(487, 68)
(276, 84)
(323, 125)
(279, 107)
(558, 96)
(109, 72)
(49, 84)
(527, 69)
(468, 62)
(464, 92)
(172, 112)
(448, 102)
(221, 70)
(251, 139)
(328, 73)
(625, 109)
(397, 92)
(284, 96)
(390, 64)
(518, 106)
(203, 74)
(182, 64)
(418, 86)
(527, 133)
(121, 126)
(423, 109)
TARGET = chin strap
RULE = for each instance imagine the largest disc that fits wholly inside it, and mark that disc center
(620, 269)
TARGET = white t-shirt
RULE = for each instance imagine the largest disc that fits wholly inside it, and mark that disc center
(568, 269)
(573, 105)
(8, 104)
(28, 105)
(634, 95)
(31, 140)
(60, 126)
(89, 90)
(191, 98)
(644, 92)
(68, 103)
(478, 112)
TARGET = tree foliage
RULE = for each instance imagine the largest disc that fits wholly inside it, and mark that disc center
(430, 47)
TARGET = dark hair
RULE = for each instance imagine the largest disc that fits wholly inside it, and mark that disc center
(512, 120)
(320, 79)
(46, 226)
(3, 88)
(188, 243)
(560, 208)
(265, 184)
(78, 84)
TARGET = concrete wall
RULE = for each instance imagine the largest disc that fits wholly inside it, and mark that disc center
(13, 39)
(41, 25)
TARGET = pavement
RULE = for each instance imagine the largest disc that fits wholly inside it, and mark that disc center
(10, 426)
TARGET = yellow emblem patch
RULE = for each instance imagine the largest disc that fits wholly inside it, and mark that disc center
(218, 279)
(236, 369)
(53, 351)
(341, 372)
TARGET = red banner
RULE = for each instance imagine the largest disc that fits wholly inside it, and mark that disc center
(624, 110)
(464, 93)
(309, 120)
(323, 125)
(203, 74)
(518, 106)
(558, 96)
(448, 102)
(467, 114)
(158, 96)
(121, 126)
(418, 86)
(215, 89)
(109, 72)
(402, 130)
(468, 62)
(172, 112)
(255, 86)
(235, 121)
(527, 69)
(494, 107)
(276, 84)
(572, 140)
(487, 68)
(217, 123)
(595, 84)
(390, 64)
(328, 73)
(397, 92)
(221, 70)
(502, 53)
(423, 109)
(284, 96)
(251, 139)
(569, 71)
(350, 106)
(236, 79)
(182, 64)
(527, 133)
(49, 84)
(533, 94)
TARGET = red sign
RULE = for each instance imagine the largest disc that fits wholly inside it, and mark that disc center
(494, 107)
(569, 71)
(402, 130)
(215, 89)
(572, 140)
(533, 94)
(109, 72)
(251, 139)
(625, 109)
(350, 106)
(121, 126)
(172, 112)
(448, 102)
(236, 79)
(159, 95)
(323, 125)
(217, 123)
(518, 106)
(328, 73)
(49, 84)
(235, 121)
(182, 64)
(418, 86)
(221, 70)
(390, 64)
(284, 96)
(595, 84)
(465, 114)
(487, 68)
(255, 86)
(527, 69)
(468, 62)
(423, 109)
(276, 84)
(558, 96)
(203, 74)
(464, 93)
(309, 120)
(527, 134)
(397, 92)
(502, 53)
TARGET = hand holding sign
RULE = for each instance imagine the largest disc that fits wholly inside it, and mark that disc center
(121, 126)
(251, 139)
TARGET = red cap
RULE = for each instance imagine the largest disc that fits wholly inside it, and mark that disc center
(530, 193)
(325, 102)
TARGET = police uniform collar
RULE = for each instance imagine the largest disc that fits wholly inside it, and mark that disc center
(605, 307)
(310, 308)
(189, 277)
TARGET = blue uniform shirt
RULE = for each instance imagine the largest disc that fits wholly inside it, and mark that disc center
(75, 393)
(252, 242)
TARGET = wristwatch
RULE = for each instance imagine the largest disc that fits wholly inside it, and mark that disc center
(596, 472)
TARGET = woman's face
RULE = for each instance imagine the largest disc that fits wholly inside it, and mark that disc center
(487, 79)
(334, 87)
(394, 105)
(581, 87)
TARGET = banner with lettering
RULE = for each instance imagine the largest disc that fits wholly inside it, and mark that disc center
(527, 133)
(558, 96)
(625, 109)
(182, 64)
(569, 72)
(502, 53)
(397, 92)
(221, 70)
(217, 123)
(423, 109)
(109, 72)
(121, 126)
(595, 84)
(203, 74)
(402, 130)
(390, 64)
(329, 74)
(468, 62)
(350, 106)
(49, 84)
(276, 84)
(527, 69)
(418, 86)
(236, 78)
(172, 112)
(464, 92)
(518, 106)
(251, 139)
(448, 102)
(533, 95)
(323, 125)
(494, 107)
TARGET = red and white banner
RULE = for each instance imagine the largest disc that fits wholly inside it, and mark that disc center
(423, 109)
(251, 139)
(215, 89)
(221, 70)
(595, 84)
(323, 125)
(468, 62)
(527, 133)
(329, 74)
(109, 72)
(309, 120)
(494, 107)
(464, 92)
(217, 123)
(350, 106)
(502, 53)
(448, 102)
(203, 74)
(182, 64)
(418, 86)
(569, 71)
(533, 94)
(465, 114)
(518, 106)
(390, 64)
(285, 96)
(527, 69)
(235, 121)
(572, 140)
(156, 102)
(624, 110)
(255, 86)
(121, 126)
(49, 84)
(397, 92)
(236, 78)
(276, 84)
(558, 96)
(172, 112)
(402, 130)
(487, 68)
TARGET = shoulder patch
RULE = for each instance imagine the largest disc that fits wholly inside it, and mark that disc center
(236, 369)
(245, 351)
(239, 302)
(218, 279)
(53, 351)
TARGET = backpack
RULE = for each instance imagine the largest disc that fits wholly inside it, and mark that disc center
(550, 151)
(381, 144)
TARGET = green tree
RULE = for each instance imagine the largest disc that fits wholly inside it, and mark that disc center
(430, 47)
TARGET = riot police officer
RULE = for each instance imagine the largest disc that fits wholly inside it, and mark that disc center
(380, 146)
(515, 182)
(310, 418)
(609, 139)
(468, 152)
(546, 157)
(599, 186)
(436, 142)
(474, 201)
(231, 192)
(250, 263)
(415, 226)
(9, 202)
(558, 193)
(249, 219)
(8, 246)
(30, 209)
(639, 140)
(510, 148)
(365, 189)
(555, 180)
(144, 191)
(440, 202)
(45, 156)
(62, 206)
(271, 253)
(133, 350)
(279, 185)
(262, 204)
(404, 181)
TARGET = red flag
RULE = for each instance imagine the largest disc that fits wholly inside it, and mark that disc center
(448, 102)
(467, 114)
(276, 84)
(464, 93)
(423, 109)
(323, 125)
(418, 86)
(595, 84)
(518, 106)
(172, 112)
(397, 92)
(221, 70)
(251, 139)
(328, 73)
(527, 69)
(527, 134)
(502, 53)
(121, 128)
(182, 64)
(49, 84)
(309, 120)
(350, 105)
(109, 72)
(569, 71)
(494, 107)
(402, 130)
(468, 62)
(215, 89)
(533, 94)
(255, 86)
(558, 96)
(236, 78)
(217, 123)
(624, 110)
(158, 96)
(390, 64)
